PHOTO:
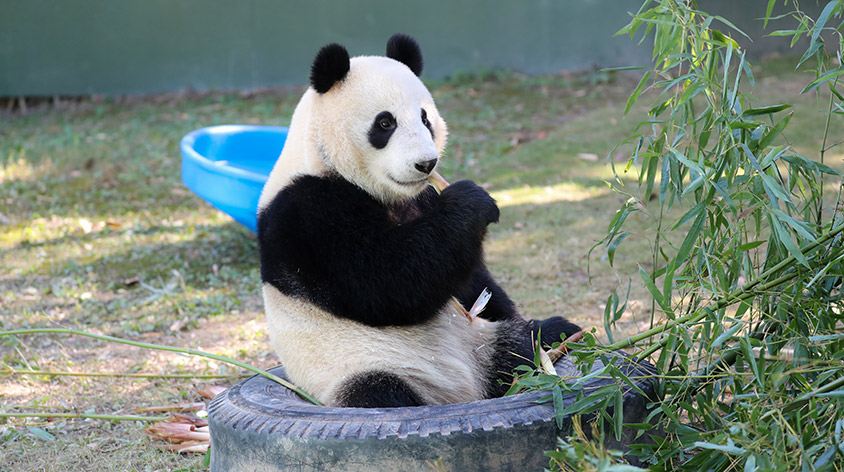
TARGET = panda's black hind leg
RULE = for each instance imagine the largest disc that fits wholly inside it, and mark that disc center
(553, 329)
(377, 389)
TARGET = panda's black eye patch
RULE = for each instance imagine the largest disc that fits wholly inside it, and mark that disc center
(426, 122)
(382, 128)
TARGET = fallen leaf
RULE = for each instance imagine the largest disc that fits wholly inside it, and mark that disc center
(208, 392)
(184, 433)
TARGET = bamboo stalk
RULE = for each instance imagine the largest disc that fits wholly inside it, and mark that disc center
(160, 347)
(437, 181)
(58, 373)
(85, 416)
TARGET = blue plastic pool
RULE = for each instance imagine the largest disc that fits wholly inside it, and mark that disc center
(228, 165)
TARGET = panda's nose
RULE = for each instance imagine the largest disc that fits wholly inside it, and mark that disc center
(426, 166)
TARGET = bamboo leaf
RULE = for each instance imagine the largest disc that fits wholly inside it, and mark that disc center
(655, 293)
(728, 449)
(820, 23)
(750, 245)
(731, 25)
(634, 96)
(797, 159)
(691, 238)
(729, 333)
(559, 406)
(822, 79)
(618, 415)
(799, 227)
(613, 245)
(751, 360)
(769, 137)
(768, 11)
(692, 213)
(686, 161)
(766, 110)
(784, 237)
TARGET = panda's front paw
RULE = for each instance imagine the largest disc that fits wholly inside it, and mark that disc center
(469, 195)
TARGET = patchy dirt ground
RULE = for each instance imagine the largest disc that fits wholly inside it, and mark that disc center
(97, 233)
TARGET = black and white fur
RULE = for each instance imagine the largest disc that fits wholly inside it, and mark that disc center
(359, 256)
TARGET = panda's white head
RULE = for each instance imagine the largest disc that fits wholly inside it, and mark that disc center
(373, 121)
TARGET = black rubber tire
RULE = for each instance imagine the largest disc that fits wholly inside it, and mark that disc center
(258, 425)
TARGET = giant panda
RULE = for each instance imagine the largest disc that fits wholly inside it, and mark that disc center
(360, 257)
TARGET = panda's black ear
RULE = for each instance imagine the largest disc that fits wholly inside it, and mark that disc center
(405, 49)
(330, 66)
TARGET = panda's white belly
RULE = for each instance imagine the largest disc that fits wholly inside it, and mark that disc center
(445, 360)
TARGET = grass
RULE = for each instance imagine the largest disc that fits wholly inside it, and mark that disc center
(97, 233)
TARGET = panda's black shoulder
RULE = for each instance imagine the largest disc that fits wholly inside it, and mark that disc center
(312, 189)
(303, 219)
(310, 198)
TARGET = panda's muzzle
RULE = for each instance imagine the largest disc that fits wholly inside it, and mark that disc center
(426, 166)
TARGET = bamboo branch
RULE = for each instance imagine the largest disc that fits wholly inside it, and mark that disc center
(84, 416)
(737, 295)
(57, 373)
(160, 347)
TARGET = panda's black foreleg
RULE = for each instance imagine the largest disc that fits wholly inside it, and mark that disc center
(499, 307)
(377, 389)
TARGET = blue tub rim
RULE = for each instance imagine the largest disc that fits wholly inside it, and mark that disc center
(187, 148)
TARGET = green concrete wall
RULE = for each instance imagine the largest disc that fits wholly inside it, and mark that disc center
(73, 47)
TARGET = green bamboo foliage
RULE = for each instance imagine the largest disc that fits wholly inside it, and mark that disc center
(748, 338)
